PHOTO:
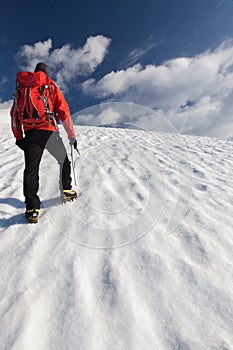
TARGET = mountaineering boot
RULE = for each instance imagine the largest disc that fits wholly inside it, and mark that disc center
(32, 215)
(68, 195)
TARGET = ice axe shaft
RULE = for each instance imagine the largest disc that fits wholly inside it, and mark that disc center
(73, 165)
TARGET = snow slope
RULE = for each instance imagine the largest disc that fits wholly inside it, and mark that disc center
(143, 260)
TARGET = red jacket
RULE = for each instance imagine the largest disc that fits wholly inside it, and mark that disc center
(59, 106)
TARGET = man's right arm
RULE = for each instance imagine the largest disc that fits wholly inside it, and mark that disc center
(62, 108)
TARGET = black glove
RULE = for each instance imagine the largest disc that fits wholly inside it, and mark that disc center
(20, 144)
(73, 142)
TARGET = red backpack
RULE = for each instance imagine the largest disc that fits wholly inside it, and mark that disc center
(33, 99)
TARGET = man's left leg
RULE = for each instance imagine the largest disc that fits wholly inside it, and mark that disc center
(32, 153)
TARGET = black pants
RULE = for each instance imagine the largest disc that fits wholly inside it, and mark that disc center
(35, 143)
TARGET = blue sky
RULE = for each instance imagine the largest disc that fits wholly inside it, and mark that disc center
(107, 50)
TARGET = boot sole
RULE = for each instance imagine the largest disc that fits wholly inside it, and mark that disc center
(68, 199)
(33, 220)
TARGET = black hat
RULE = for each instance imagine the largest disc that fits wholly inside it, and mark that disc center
(44, 68)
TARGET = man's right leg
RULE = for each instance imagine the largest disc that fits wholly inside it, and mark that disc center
(33, 153)
(56, 148)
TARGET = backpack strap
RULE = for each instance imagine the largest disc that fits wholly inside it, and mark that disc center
(54, 114)
(49, 115)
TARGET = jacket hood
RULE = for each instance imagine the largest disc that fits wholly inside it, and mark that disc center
(29, 79)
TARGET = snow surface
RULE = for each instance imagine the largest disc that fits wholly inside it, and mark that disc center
(143, 259)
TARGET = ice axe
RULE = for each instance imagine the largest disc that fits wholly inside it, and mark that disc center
(73, 143)
(77, 150)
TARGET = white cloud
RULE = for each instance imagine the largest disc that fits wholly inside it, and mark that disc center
(5, 111)
(5, 114)
(6, 104)
(123, 114)
(194, 93)
(108, 115)
(136, 54)
(66, 62)
(31, 54)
